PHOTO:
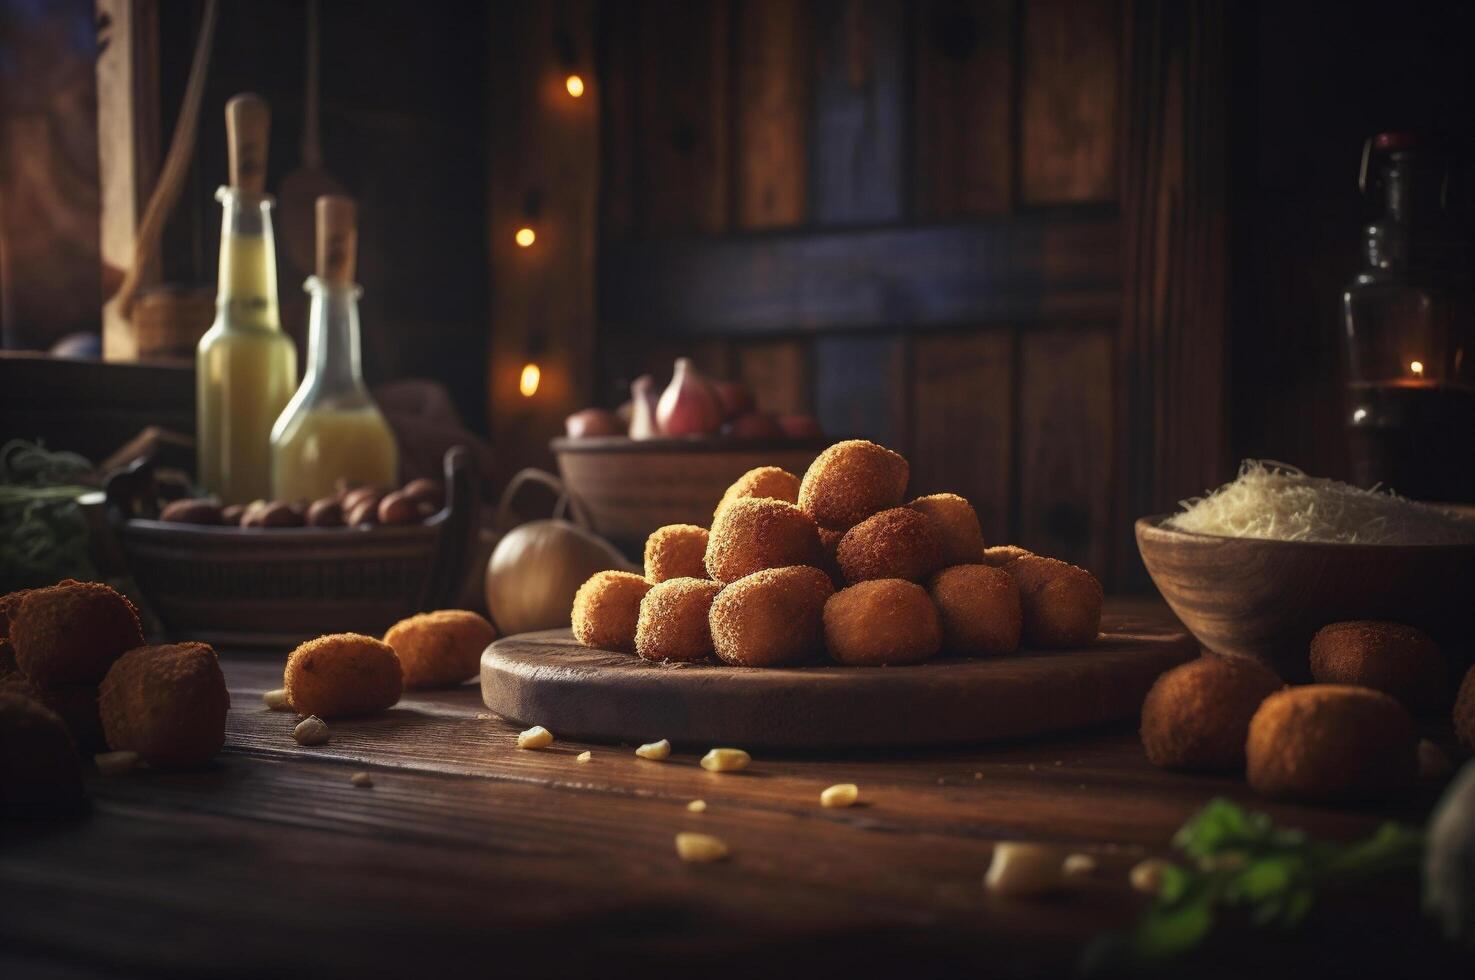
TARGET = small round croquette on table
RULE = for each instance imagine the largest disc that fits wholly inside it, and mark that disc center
(676, 551)
(850, 481)
(896, 543)
(1330, 743)
(71, 633)
(607, 609)
(978, 608)
(1197, 715)
(754, 533)
(167, 703)
(956, 523)
(440, 648)
(1061, 602)
(881, 622)
(1390, 657)
(771, 618)
(342, 675)
(673, 622)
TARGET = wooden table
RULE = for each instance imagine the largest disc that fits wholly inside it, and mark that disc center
(468, 855)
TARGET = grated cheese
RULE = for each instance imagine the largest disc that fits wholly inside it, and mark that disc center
(1279, 502)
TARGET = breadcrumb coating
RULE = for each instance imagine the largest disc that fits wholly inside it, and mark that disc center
(979, 609)
(1390, 657)
(1330, 743)
(896, 543)
(1004, 555)
(676, 551)
(673, 621)
(850, 481)
(751, 534)
(441, 648)
(1061, 602)
(764, 481)
(881, 622)
(1197, 715)
(771, 618)
(342, 675)
(167, 703)
(607, 608)
(956, 523)
(72, 632)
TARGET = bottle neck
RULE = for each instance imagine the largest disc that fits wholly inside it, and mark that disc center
(333, 359)
(246, 293)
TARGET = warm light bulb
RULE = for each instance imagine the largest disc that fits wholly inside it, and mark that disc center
(575, 85)
(528, 383)
(1417, 367)
(525, 236)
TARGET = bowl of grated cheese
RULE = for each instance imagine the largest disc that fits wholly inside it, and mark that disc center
(1259, 565)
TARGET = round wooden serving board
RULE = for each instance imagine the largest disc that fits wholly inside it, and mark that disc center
(576, 692)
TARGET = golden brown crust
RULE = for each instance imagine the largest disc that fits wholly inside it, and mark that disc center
(772, 617)
(978, 608)
(764, 481)
(40, 774)
(751, 534)
(72, 632)
(167, 703)
(956, 524)
(673, 621)
(1464, 712)
(1390, 657)
(1004, 555)
(1330, 743)
(880, 622)
(850, 481)
(676, 551)
(342, 675)
(441, 648)
(1197, 716)
(896, 543)
(1061, 602)
(607, 608)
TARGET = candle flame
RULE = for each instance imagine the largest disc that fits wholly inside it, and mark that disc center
(528, 383)
(575, 85)
(525, 237)
(1417, 367)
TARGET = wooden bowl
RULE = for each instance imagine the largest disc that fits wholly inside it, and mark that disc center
(275, 587)
(1268, 598)
(630, 487)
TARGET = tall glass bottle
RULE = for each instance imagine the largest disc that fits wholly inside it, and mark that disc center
(332, 430)
(245, 366)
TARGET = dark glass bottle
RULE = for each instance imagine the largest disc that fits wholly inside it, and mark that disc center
(1411, 421)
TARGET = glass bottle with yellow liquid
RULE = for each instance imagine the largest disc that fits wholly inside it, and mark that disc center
(245, 366)
(332, 431)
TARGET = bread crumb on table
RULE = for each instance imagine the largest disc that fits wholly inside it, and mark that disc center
(695, 848)
(584, 756)
(655, 751)
(276, 700)
(536, 737)
(362, 779)
(839, 795)
(697, 806)
(311, 730)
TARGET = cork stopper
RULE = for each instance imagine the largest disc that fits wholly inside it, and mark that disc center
(337, 239)
(247, 125)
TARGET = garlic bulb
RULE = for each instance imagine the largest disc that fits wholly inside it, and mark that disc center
(688, 406)
(643, 408)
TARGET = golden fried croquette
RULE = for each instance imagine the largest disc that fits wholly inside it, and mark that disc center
(1004, 555)
(676, 551)
(896, 543)
(1389, 657)
(882, 621)
(167, 703)
(72, 632)
(1198, 714)
(956, 523)
(673, 620)
(772, 617)
(40, 774)
(441, 648)
(764, 481)
(978, 608)
(1330, 742)
(1464, 713)
(75, 704)
(607, 608)
(850, 481)
(754, 533)
(1062, 603)
(341, 675)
